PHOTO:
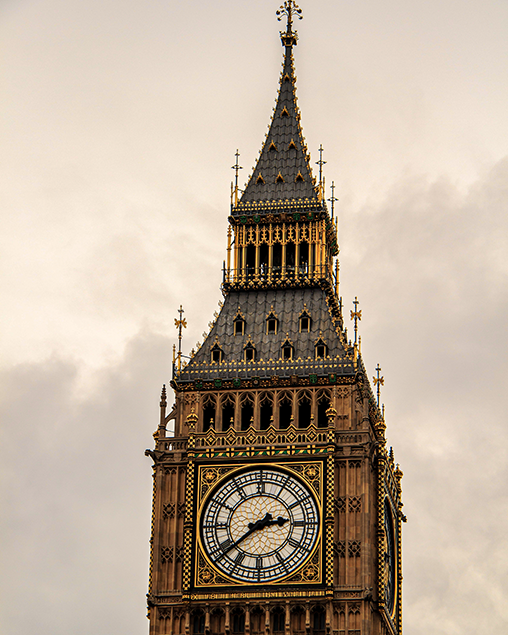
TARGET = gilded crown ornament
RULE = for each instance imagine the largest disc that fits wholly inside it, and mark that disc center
(289, 9)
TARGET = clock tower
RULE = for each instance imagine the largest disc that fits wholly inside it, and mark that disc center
(276, 504)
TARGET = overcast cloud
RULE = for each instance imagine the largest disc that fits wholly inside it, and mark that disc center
(120, 122)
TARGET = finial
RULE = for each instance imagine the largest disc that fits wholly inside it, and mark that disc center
(181, 323)
(289, 8)
(236, 167)
(163, 403)
(320, 163)
(378, 381)
(333, 199)
(356, 315)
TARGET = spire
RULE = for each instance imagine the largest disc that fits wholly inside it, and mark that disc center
(283, 171)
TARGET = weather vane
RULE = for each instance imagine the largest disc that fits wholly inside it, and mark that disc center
(181, 323)
(378, 381)
(236, 167)
(356, 315)
(289, 8)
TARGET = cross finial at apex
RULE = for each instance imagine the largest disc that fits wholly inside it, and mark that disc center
(289, 8)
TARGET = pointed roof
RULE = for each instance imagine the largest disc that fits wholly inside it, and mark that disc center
(283, 171)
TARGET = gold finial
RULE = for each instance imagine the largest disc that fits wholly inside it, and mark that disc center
(357, 315)
(378, 381)
(236, 167)
(181, 323)
(289, 8)
(321, 163)
(333, 198)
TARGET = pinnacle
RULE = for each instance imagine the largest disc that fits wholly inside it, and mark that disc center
(283, 170)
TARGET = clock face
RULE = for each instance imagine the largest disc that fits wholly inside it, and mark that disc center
(389, 559)
(259, 525)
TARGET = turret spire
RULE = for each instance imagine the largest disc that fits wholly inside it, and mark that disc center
(282, 177)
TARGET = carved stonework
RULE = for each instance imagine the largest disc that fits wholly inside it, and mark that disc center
(168, 510)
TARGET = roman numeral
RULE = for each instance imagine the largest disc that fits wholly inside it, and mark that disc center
(293, 543)
(224, 545)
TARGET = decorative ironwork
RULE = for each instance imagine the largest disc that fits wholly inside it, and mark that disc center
(378, 382)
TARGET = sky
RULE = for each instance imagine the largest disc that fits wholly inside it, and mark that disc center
(119, 124)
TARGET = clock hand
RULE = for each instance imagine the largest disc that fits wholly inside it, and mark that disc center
(259, 524)
(267, 521)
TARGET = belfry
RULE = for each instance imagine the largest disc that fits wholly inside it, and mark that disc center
(276, 503)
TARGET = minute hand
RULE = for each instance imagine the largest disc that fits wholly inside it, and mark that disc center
(267, 521)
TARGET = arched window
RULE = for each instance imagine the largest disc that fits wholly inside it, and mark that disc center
(278, 620)
(263, 260)
(239, 323)
(257, 621)
(318, 620)
(298, 619)
(228, 413)
(198, 622)
(323, 404)
(305, 320)
(247, 412)
(265, 411)
(290, 259)
(237, 621)
(321, 347)
(217, 354)
(285, 412)
(217, 621)
(249, 351)
(277, 259)
(287, 348)
(272, 322)
(304, 258)
(209, 414)
(250, 260)
(304, 411)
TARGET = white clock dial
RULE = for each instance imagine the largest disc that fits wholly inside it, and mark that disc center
(259, 525)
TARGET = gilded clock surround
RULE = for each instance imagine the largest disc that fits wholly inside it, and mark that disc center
(209, 477)
(299, 403)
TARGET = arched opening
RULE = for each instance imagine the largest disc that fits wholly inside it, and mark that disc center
(263, 260)
(247, 416)
(217, 622)
(237, 621)
(257, 621)
(228, 414)
(277, 259)
(278, 620)
(250, 260)
(285, 412)
(318, 620)
(198, 622)
(239, 326)
(265, 413)
(217, 355)
(290, 259)
(249, 353)
(271, 325)
(209, 415)
(298, 619)
(304, 258)
(304, 411)
(323, 405)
